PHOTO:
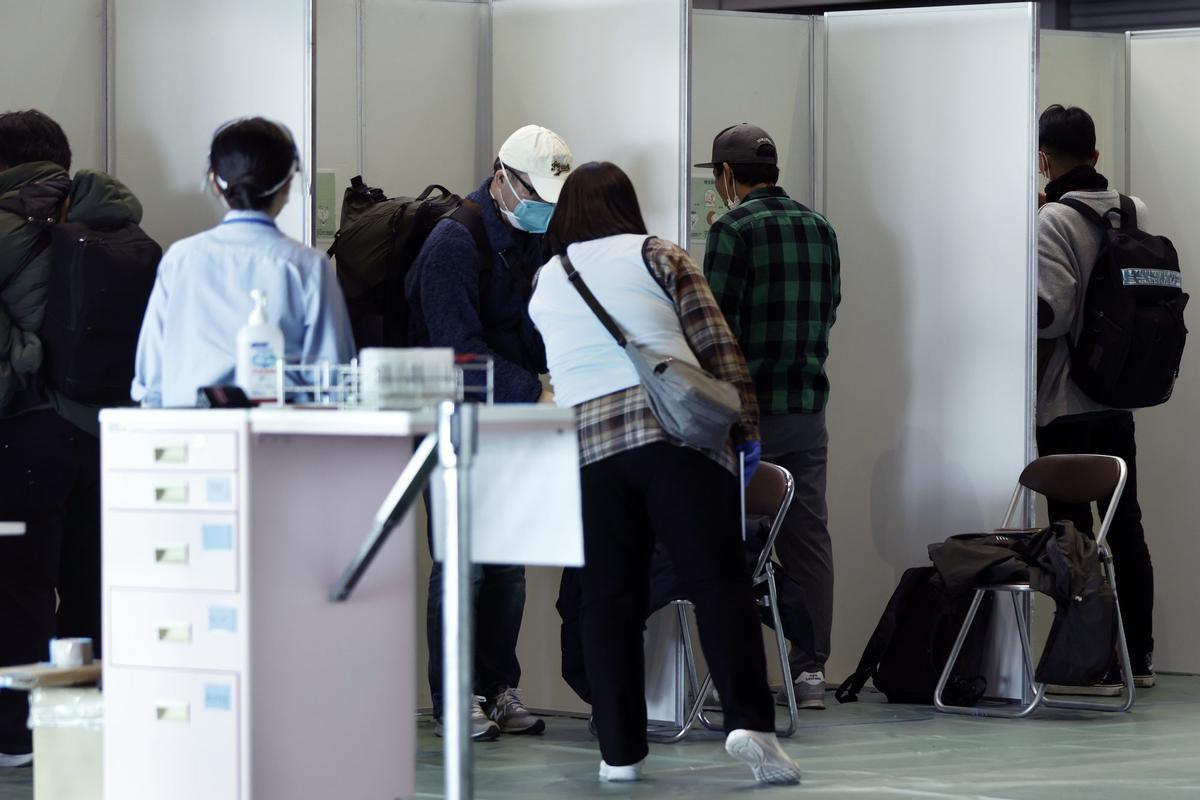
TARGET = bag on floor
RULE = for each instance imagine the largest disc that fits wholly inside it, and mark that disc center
(377, 243)
(1131, 344)
(906, 654)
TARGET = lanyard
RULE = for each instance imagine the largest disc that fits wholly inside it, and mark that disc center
(249, 221)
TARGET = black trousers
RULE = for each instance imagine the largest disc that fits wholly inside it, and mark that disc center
(690, 504)
(50, 480)
(1112, 434)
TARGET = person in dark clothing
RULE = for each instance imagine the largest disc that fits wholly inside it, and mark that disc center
(1068, 420)
(450, 306)
(49, 446)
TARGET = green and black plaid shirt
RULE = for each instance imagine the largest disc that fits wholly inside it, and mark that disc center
(773, 267)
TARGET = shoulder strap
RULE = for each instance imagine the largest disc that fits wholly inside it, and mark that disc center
(1088, 212)
(1128, 212)
(470, 216)
(577, 281)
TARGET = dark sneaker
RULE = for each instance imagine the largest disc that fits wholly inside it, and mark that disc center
(810, 691)
(482, 728)
(1143, 671)
(1110, 685)
(509, 712)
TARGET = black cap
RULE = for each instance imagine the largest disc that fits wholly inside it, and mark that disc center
(740, 144)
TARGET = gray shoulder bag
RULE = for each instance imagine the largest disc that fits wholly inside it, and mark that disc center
(691, 405)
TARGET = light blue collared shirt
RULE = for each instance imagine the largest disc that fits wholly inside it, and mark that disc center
(202, 298)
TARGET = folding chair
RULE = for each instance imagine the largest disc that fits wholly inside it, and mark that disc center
(1071, 479)
(768, 495)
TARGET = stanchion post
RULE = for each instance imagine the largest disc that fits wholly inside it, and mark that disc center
(457, 429)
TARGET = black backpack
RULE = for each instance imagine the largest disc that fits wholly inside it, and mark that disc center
(99, 286)
(1129, 349)
(379, 239)
(908, 650)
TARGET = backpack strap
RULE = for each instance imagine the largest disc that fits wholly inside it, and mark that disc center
(470, 216)
(1088, 212)
(1128, 212)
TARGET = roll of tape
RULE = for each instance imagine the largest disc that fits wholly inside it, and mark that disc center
(71, 652)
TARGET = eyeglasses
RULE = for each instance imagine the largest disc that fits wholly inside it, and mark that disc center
(514, 174)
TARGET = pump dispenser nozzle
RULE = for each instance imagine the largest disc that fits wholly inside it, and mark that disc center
(259, 315)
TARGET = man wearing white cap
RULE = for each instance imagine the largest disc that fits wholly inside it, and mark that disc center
(482, 309)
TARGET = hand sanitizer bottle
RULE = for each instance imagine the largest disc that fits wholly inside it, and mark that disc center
(259, 347)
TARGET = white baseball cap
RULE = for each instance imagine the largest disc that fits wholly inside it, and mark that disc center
(543, 155)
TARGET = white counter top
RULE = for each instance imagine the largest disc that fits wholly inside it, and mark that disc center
(330, 421)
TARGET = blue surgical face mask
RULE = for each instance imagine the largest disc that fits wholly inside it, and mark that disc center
(531, 216)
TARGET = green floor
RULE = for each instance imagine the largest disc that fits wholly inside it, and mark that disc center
(865, 750)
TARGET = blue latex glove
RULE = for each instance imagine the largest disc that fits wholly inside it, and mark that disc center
(752, 450)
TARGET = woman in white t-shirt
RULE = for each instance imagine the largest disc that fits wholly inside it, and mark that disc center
(639, 486)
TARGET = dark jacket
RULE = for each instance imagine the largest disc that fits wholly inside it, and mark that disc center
(98, 201)
(1058, 561)
(448, 309)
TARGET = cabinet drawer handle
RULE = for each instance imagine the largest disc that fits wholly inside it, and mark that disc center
(171, 454)
(172, 712)
(171, 494)
(171, 554)
(175, 632)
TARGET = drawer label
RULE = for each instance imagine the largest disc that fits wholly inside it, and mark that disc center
(218, 697)
(218, 490)
(217, 537)
(222, 618)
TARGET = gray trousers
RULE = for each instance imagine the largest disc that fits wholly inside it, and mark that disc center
(799, 443)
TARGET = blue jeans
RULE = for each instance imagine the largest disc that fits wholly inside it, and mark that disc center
(499, 598)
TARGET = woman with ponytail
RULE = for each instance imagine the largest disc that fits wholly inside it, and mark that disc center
(202, 296)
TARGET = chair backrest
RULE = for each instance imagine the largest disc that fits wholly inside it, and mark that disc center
(769, 495)
(1074, 478)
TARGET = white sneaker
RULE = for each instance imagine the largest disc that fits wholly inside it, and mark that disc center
(762, 753)
(19, 760)
(624, 774)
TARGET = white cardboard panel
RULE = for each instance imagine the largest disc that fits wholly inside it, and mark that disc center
(180, 70)
(52, 59)
(929, 184)
(1088, 70)
(425, 80)
(776, 50)
(607, 76)
(1164, 128)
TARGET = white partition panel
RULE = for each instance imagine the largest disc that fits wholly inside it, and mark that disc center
(52, 59)
(1088, 70)
(403, 130)
(754, 68)
(929, 182)
(181, 69)
(425, 92)
(1164, 111)
(338, 124)
(608, 75)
